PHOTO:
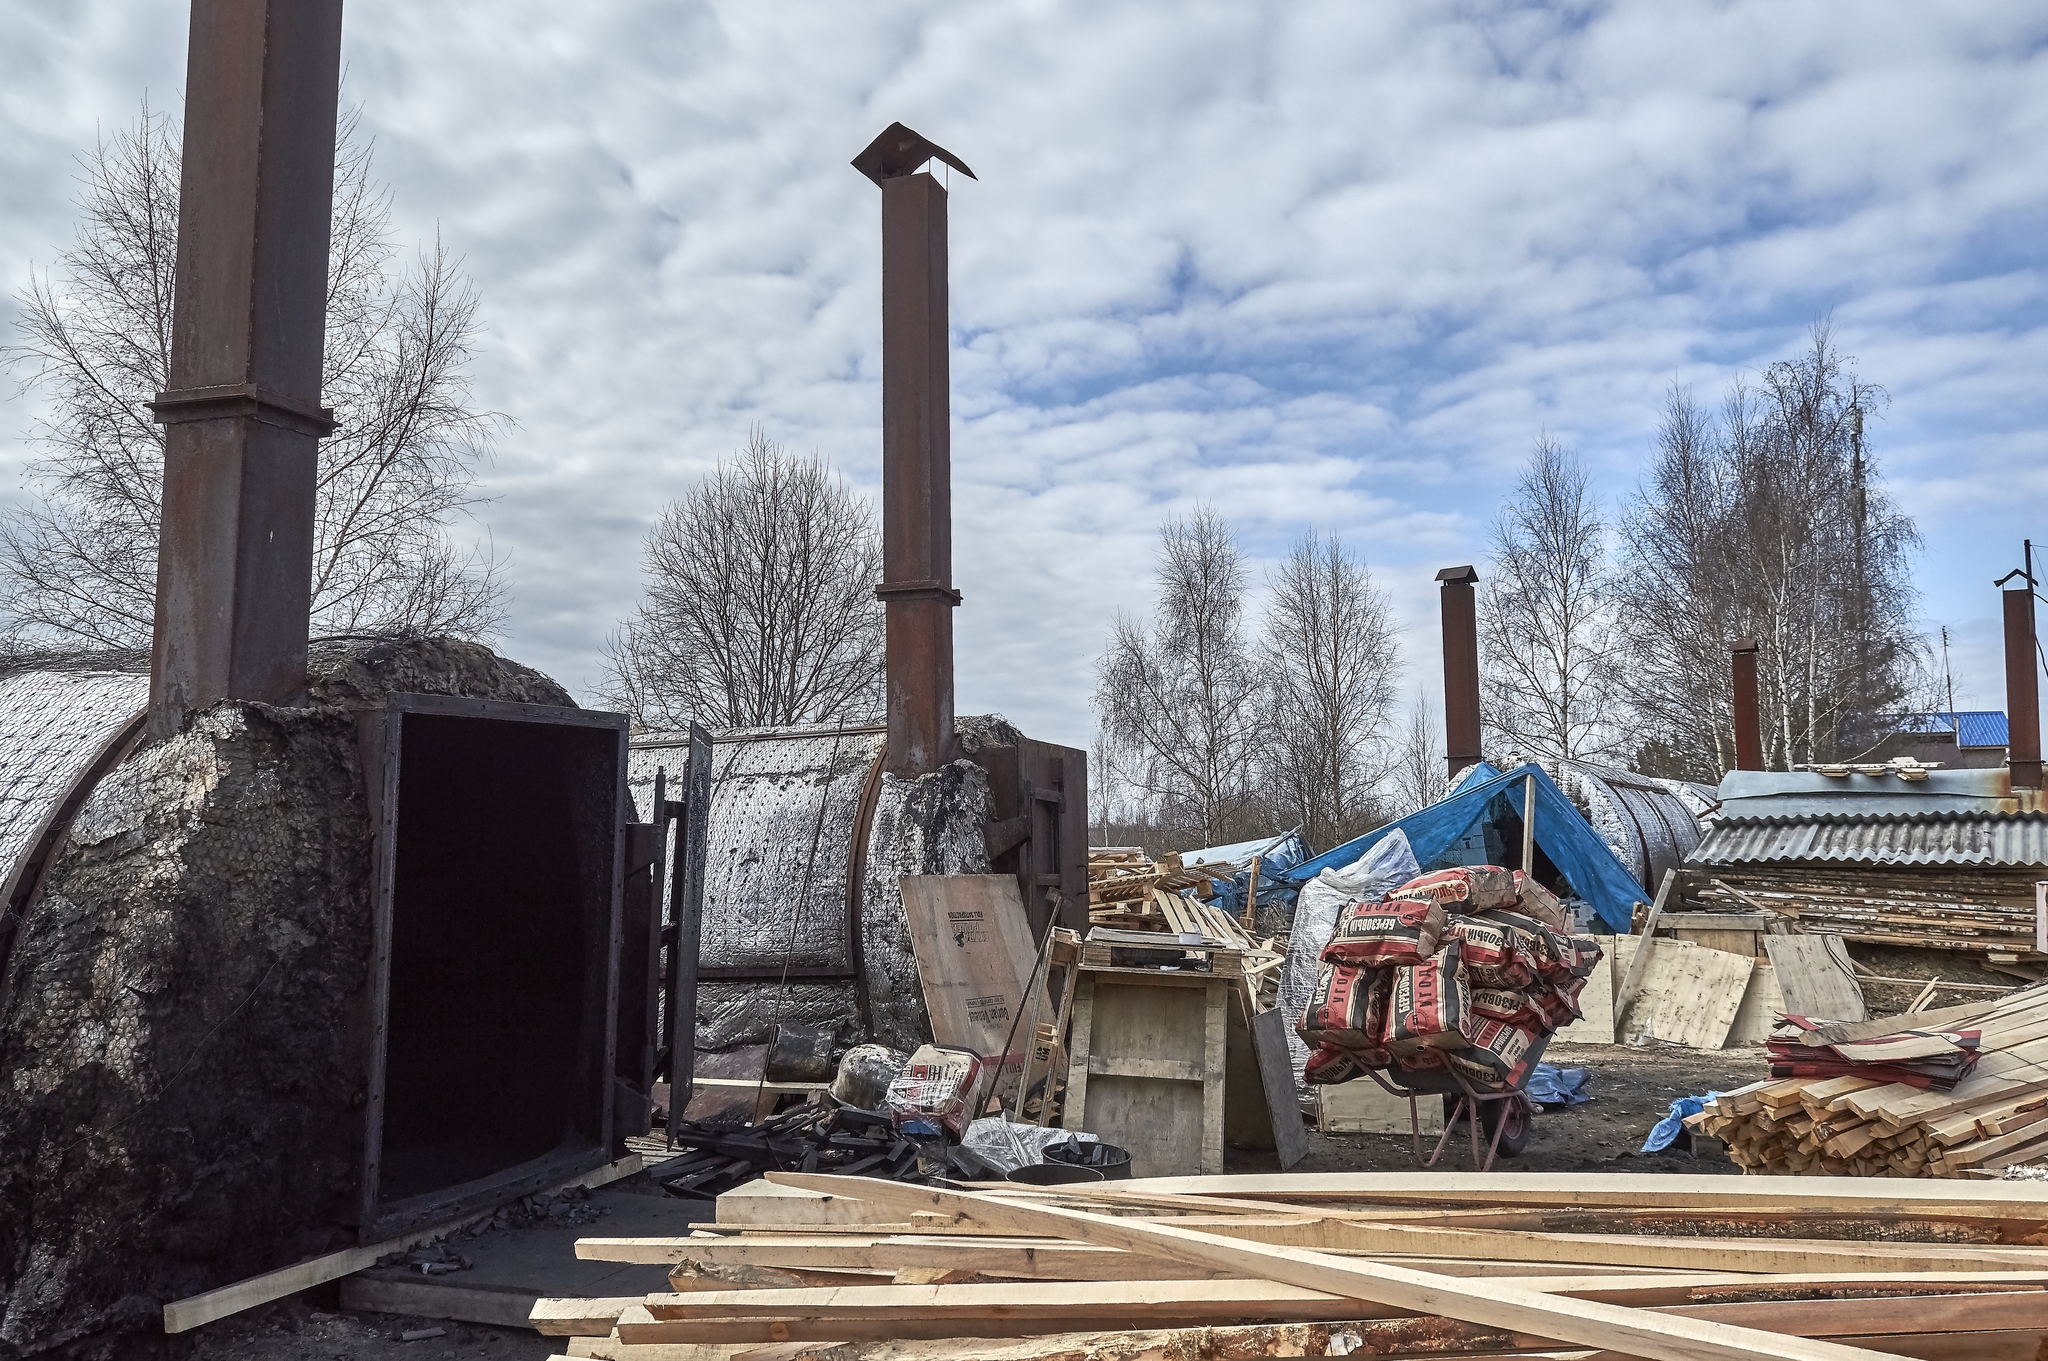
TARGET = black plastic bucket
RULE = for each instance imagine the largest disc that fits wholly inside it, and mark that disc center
(1112, 1162)
(1054, 1174)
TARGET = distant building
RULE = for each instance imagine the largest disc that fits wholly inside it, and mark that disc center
(1969, 739)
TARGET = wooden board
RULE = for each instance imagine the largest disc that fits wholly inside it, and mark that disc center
(1742, 943)
(1364, 1107)
(1492, 1303)
(1596, 1025)
(1760, 1009)
(185, 1314)
(1632, 976)
(502, 1308)
(1815, 978)
(1146, 1065)
(1687, 995)
(1259, 1108)
(974, 959)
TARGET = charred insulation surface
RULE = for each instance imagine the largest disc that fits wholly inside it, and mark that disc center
(182, 1016)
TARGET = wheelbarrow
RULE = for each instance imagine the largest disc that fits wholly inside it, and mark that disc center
(1503, 1116)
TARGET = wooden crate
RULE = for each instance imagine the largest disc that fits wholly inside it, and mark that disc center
(1145, 1067)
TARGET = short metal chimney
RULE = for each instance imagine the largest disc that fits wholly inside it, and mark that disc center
(235, 559)
(1461, 668)
(2022, 688)
(917, 454)
(1749, 740)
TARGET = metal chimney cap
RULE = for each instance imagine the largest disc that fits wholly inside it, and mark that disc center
(1458, 576)
(900, 151)
(1743, 645)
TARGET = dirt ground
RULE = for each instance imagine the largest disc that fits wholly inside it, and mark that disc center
(1631, 1090)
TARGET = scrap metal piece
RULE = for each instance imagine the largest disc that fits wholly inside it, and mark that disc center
(1461, 668)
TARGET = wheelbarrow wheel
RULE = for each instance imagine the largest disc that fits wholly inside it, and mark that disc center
(1512, 1113)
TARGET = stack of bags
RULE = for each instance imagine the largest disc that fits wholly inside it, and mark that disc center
(1462, 970)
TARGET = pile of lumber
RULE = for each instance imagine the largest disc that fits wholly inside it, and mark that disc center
(1949, 907)
(1383, 1265)
(1125, 882)
(1871, 1108)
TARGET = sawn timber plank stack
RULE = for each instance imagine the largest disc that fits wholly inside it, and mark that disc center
(1407, 1265)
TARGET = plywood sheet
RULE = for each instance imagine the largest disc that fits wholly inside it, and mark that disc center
(974, 959)
(1815, 977)
(1689, 996)
(1363, 1106)
(1761, 1006)
(1596, 1025)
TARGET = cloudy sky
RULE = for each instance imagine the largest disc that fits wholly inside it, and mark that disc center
(1329, 265)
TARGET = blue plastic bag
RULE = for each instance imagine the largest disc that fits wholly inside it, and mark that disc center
(1551, 1085)
(1666, 1131)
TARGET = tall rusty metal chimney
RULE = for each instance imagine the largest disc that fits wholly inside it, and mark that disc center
(1749, 738)
(1461, 668)
(917, 452)
(2022, 687)
(243, 414)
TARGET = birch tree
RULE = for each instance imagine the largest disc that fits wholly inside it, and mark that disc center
(760, 605)
(1546, 619)
(1773, 522)
(1335, 660)
(1180, 694)
(78, 558)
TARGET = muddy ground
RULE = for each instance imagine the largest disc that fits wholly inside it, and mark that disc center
(1631, 1090)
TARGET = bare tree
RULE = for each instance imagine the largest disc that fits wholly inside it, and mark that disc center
(1418, 777)
(1181, 698)
(1545, 616)
(78, 562)
(760, 605)
(1330, 635)
(1771, 522)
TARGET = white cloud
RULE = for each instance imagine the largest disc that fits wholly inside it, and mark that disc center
(1323, 264)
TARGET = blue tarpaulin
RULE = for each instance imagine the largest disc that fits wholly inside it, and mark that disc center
(1562, 833)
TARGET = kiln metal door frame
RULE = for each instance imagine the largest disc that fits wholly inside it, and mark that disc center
(379, 736)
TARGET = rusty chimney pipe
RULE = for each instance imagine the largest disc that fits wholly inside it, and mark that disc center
(2022, 689)
(242, 415)
(917, 457)
(1749, 739)
(1461, 668)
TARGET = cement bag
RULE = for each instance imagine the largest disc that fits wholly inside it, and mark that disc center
(1469, 888)
(941, 1089)
(1333, 1063)
(1385, 935)
(1496, 956)
(1534, 900)
(1388, 864)
(1430, 1006)
(1349, 1008)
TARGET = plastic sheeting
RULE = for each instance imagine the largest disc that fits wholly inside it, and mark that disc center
(1596, 872)
(1382, 869)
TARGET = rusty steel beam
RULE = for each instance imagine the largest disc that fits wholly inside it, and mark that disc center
(1749, 738)
(2022, 689)
(1461, 668)
(917, 458)
(242, 414)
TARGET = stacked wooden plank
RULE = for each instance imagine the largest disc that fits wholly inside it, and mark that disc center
(1870, 1125)
(1404, 1265)
(1952, 908)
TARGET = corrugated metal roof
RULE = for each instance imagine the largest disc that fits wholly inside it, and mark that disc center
(1984, 728)
(1984, 839)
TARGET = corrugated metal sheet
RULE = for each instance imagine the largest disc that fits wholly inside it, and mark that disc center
(2016, 840)
(1808, 794)
(1982, 728)
(52, 725)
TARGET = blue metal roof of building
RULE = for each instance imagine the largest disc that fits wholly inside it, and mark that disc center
(1972, 727)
